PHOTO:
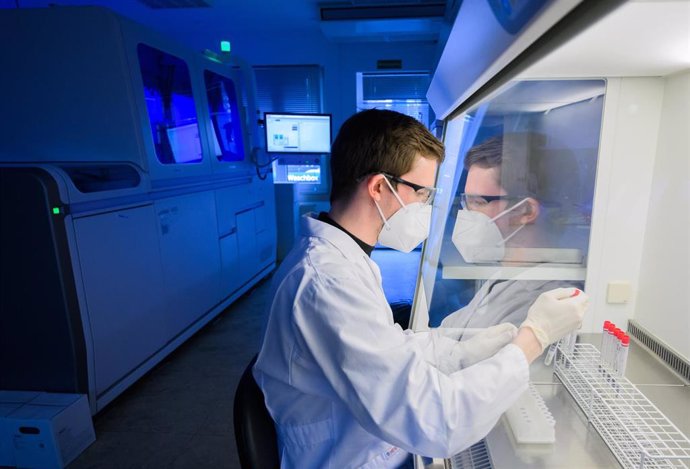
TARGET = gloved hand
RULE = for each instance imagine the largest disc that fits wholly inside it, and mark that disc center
(480, 346)
(556, 313)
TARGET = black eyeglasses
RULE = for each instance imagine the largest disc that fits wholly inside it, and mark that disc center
(474, 201)
(425, 193)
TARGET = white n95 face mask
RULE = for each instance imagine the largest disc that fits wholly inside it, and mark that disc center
(408, 227)
(478, 238)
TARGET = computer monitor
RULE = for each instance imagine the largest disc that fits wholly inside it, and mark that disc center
(297, 133)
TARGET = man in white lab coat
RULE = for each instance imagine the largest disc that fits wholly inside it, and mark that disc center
(502, 219)
(348, 388)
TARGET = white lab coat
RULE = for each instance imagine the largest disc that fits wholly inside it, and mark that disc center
(348, 388)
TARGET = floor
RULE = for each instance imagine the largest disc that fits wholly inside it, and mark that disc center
(180, 414)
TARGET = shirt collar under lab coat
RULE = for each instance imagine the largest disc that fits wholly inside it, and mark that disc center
(367, 248)
(310, 226)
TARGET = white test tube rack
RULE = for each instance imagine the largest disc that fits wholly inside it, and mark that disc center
(638, 434)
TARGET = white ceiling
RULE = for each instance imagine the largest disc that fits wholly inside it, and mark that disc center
(641, 38)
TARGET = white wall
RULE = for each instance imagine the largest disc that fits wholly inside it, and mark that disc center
(662, 305)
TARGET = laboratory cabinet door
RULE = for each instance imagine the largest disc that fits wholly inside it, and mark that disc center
(123, 283)
(246, 235)
(265, 233)
(255, 241)
(228, 202)
(231, 277)
(248, 258)
(188, 232)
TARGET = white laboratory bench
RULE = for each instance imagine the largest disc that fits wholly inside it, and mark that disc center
(578, 445)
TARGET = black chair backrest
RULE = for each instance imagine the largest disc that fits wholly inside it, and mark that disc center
(255, 434)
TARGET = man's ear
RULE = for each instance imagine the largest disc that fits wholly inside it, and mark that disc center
(375, 186)
(530, 211)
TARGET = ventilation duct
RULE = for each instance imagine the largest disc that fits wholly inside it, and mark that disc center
(377, 12)
(165, 4)
(387, 22)
(389, 64)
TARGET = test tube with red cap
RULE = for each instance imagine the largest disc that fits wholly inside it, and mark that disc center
(613, 346)
(618, 334)
(622, 354)
(610, 345)
(604, 341)
(610, 342)
(611, 352)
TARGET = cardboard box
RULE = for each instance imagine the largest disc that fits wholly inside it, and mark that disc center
(6, 446)
(51, 430)
(9, 402)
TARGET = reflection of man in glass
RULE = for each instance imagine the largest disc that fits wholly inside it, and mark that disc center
(503, 221)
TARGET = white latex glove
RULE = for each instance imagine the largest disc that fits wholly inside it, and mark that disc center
(483, 344)
(555, 314)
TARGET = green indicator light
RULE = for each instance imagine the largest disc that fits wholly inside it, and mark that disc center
(56, 210)
(225, 46)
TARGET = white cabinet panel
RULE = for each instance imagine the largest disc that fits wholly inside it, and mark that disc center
(230, 276)
(190, 255)
(247, 245)
(227, 202)
(123, 282)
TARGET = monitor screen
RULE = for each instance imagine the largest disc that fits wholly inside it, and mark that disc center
(298, 133)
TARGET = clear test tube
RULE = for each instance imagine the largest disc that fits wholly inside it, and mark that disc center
(605, 344)
(568, 346)
(604, 341)
(565, 343)
(622, 358)
(619, 340)
(550, 354)
(609, 345)
(613, 351)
